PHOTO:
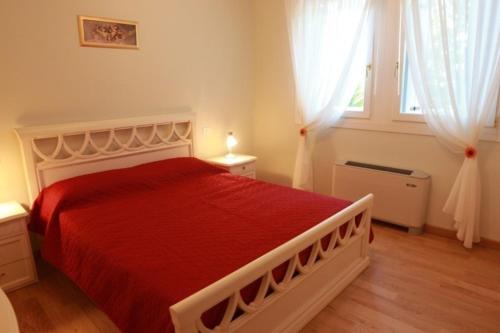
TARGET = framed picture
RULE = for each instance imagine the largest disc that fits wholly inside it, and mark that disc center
(103, 32)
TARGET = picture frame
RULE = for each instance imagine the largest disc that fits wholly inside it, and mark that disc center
(109, 33)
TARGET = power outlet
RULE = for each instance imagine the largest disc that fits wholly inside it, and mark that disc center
(207, 131)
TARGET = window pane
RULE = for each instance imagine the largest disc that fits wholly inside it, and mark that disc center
(409, 102)
(357, 102)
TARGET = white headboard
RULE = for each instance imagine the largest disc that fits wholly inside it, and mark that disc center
(56, 152)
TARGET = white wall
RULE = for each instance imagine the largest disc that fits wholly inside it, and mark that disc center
(196, 54)
(276, 134)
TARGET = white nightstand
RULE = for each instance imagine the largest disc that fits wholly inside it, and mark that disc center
(17, 267)
(243, 165)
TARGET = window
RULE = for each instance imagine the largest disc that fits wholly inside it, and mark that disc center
(409, 103)
(359, 104)
(410, 109)
(385, 99)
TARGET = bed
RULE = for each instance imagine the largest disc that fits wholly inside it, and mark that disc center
(164, 242)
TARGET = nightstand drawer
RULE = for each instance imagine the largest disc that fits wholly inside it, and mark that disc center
(242, 169)
(16, 274)
(12, 228)
(252, 175)
(13, 249)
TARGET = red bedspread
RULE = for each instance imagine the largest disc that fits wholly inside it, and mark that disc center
(138, 240)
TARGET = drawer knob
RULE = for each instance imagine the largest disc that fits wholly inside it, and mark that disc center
(244, 167)
(2, 275)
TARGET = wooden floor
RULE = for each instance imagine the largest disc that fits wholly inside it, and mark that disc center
(414, 284)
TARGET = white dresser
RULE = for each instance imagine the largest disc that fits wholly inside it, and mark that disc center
(17, 267)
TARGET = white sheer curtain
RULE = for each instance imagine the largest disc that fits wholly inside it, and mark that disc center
(329, 42)
(453, 48)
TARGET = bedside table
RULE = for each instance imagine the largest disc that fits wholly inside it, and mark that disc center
(243, 165)
(17, 267)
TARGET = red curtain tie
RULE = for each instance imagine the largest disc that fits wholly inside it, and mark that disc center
(470, 152)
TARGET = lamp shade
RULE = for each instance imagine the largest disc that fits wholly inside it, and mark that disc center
(231, 142)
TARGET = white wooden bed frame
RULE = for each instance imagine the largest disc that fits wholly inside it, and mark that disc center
(53, 153)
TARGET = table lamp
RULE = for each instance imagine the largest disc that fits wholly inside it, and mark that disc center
(231, 142)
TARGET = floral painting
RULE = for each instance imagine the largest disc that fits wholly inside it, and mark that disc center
(102, 32)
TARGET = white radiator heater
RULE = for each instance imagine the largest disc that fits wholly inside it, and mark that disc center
(401, 195)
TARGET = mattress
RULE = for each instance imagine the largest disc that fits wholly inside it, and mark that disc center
(139, 240)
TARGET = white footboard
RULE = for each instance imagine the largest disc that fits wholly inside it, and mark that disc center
(306, 289)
